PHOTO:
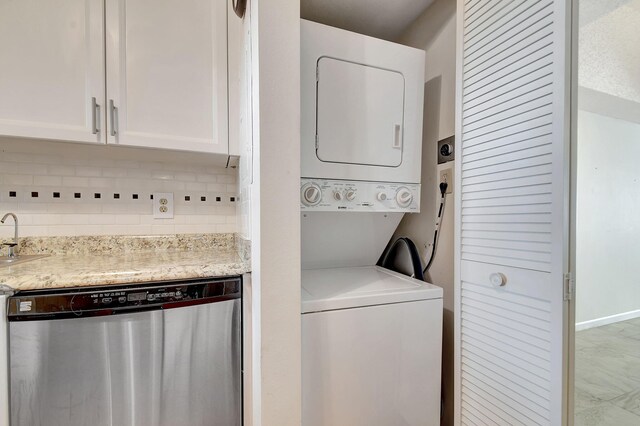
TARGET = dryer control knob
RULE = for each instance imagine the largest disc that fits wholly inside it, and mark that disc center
(404, 197)
(311, 194)
(351, 195)
(381, 196)
(338, 195)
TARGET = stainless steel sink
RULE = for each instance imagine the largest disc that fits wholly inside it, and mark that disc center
(10, 261)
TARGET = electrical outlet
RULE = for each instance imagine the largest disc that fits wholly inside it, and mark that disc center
(163, 205)
(446, 175)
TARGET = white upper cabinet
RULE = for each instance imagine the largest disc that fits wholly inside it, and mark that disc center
(52, 69)
(167, 74)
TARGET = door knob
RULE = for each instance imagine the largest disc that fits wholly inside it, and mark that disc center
(498, 279)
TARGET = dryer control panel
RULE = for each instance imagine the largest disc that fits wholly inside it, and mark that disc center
(356, 196)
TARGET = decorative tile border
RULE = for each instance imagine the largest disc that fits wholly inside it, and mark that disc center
(76, 190)
(24, 194)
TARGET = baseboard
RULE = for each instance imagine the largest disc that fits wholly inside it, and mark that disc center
(598, 322)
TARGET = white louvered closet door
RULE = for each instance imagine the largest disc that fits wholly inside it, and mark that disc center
(512, 233)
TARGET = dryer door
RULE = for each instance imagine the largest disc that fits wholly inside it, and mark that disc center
(360, 113)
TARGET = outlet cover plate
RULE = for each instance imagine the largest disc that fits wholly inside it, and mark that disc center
(446, 175)
(163, 205)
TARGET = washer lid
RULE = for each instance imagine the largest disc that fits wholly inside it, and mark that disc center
(343, 288)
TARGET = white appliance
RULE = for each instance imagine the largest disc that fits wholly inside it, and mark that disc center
(349, 223)
(361, 107)
(361, 143)
(371, 338)
(370, 348)
(162, 353)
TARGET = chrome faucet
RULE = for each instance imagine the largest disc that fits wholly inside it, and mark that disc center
(12, 246)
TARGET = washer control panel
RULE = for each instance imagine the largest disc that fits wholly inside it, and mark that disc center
(357, 196)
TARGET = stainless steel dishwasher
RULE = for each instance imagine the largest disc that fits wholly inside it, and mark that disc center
(159, 354)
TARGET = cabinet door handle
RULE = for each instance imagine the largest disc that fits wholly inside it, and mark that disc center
(95, 116)
(113, 112)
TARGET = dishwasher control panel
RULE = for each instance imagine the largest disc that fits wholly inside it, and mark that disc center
(109, 300)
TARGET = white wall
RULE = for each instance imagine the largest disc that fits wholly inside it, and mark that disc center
(435, 32)
(439, 123)
(32, 171)
(608, 218)
(240, 127)
(607, 283)
(275, 213)
(240, 110)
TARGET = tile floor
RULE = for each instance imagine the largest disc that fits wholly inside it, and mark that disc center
(608, 375)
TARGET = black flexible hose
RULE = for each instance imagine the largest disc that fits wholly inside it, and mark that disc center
(414, 257)
(443, 193)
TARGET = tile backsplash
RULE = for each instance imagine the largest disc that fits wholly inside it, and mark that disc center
(75, 189)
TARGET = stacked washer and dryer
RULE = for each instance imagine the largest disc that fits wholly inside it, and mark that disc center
(371, 337)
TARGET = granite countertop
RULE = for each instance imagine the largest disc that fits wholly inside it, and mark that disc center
(94, 262)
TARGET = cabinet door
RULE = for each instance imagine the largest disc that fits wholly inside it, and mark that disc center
(52, 69)
(167, 74)
(512, 191)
